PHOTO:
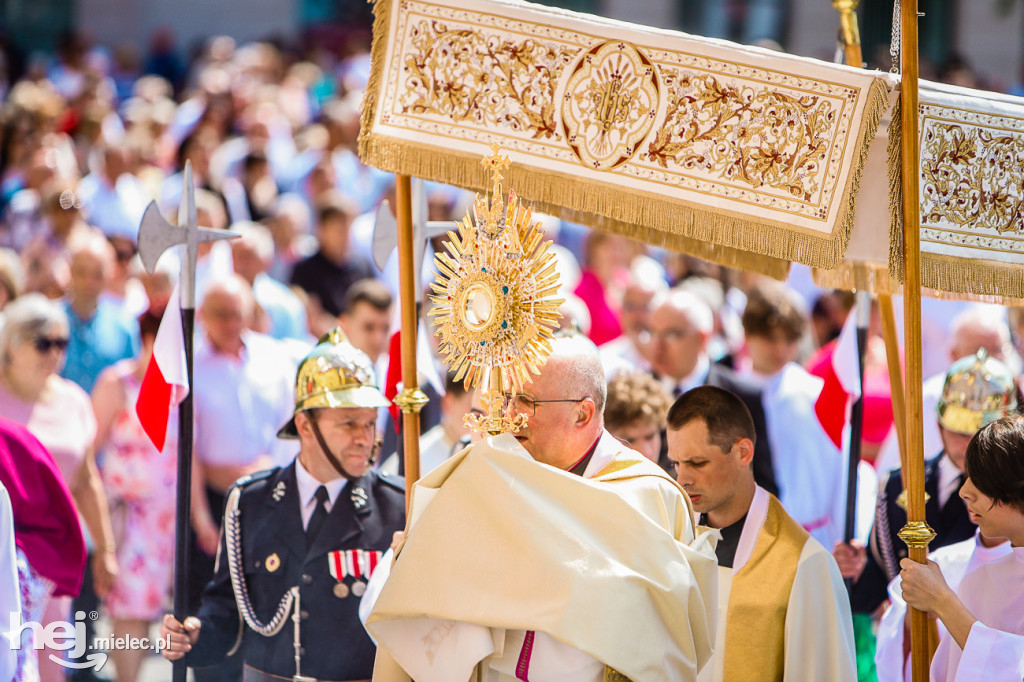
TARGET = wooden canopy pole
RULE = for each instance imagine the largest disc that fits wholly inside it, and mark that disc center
(411, 400)
(916, 533)
(892, 357)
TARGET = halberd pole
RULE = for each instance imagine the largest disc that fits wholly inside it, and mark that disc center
(156, 235)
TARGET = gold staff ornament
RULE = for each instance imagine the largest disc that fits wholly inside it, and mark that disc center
(495, 300)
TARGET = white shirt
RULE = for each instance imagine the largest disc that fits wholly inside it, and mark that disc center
(991, 655)
(116, 209)
(949, 480)
(241, 402)
(808, 467)
(435, 447)
(308, 486)
(621, 354)
(992, 594)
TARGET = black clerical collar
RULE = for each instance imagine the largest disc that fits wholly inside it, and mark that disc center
(726, 550)
(581, 466)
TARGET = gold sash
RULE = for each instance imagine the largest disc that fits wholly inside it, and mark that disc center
(754, 647)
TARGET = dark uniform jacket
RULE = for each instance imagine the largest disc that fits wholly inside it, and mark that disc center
(951, 524)
(336, 647)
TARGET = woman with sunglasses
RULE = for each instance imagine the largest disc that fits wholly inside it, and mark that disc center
(33, 341)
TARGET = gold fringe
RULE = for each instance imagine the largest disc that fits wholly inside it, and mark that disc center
(690, 230)
(970, 278)
(776, 268)
(874, 278)
(378, 54)
(871, 277)
(729, 238)
(896, 196)
(875, 108)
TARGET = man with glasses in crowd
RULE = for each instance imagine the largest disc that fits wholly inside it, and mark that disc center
(530, 551)
(681, 326)
(303, 539)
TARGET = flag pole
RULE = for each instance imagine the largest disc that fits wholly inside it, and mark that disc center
(916, 533)
(862, 309)
(156, 235)
(411, 400)
(183, 504)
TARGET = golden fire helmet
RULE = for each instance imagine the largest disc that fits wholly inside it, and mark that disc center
(334, 374)
(978, 390)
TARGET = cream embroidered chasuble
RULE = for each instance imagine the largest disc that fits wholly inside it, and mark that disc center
(605, 566)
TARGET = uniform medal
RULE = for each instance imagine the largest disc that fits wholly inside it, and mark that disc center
(366, 560)
(359, 563)
(340, 567)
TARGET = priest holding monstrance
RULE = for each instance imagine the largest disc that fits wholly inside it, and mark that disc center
(548, 551)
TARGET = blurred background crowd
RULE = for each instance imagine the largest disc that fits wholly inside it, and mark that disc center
(91, 133)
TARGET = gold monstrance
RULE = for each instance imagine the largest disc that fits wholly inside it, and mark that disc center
(495, 300)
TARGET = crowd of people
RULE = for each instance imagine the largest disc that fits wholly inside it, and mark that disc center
(272, 142)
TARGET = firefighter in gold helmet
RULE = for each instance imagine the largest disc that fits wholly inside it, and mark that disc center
(300, 542)
(977, 390)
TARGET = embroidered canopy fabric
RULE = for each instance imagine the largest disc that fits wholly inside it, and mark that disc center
(739, 155)
(865, 264)
(972, 198)
(972, 202)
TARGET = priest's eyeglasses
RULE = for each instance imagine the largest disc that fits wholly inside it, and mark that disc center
(528, 404)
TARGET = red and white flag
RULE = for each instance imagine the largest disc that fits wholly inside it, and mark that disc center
(165, 384)
(842, 382)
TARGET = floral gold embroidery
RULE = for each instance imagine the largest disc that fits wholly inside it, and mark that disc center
(470, 76)
(755, 135)
(750, 159)
(970, 178)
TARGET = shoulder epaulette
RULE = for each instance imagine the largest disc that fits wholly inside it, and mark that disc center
(396, 482)
(253, 478)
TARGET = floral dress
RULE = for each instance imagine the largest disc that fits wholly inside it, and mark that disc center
(35, 595)
(140, 485)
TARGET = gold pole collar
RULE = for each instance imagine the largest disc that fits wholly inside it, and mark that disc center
(411, 400)
(917, 534)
